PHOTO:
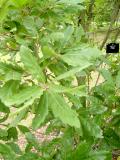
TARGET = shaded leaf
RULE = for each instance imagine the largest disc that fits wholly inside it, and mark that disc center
(32, 139)
(30, 156)
(97, 109)
(23, 129)
(67, 34)
(12, 133)
(73, 71)
(81, 152)
(91, 128)
(30, 26)
(4, 109)
(57, 36)
(42, 112)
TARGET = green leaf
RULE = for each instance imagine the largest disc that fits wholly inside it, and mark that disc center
(100, 155)
(12, 133)
(4, 109)
(30, 92)
(30, 26)
(18, 118)
(4, 8)
(67, 34)
(57, 36)
(7, 152)
(15, 147)
(81, 57)
(31, 64)
(62, 110)
(21, 112)
(3, 133)
(107, 75)
(23, 129)
(71, 1)
(12, 75)
(91, 128)
(112, 138)
(8, 90)
(75, 100)
(67, 141)
(79, 32)
(20, 3)
(81, 152)
(30, 156)
(118, 158)
(78, 91)
(48, 52)
(10, 72)
(73, 71)
(118, 80)
(33, 140)
(4, 67)
(42, 112)
(97, 109)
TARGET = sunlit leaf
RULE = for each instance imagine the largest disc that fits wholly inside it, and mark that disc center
(73, 71)
(31, 64)
(81, 57)
(62, 110)
(27, 93)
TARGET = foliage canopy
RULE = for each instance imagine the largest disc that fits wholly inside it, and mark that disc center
(41, 56)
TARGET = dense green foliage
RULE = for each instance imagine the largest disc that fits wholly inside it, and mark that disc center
(42, 54)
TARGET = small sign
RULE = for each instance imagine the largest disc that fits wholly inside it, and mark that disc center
(112, 48)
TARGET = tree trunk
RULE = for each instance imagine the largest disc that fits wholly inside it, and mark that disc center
(81, 80)
(113, 19)
(116, 35)
(90, 14)
(81, 19)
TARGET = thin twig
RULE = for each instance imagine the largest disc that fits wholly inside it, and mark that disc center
(113, 19)
(116, 35)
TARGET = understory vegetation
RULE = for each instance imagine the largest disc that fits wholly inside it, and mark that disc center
(52, 70)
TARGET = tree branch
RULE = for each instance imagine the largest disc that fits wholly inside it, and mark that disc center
(90, 13)
(116, 35)
(113, 19)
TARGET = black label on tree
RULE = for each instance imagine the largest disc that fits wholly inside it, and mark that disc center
(112, 48)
